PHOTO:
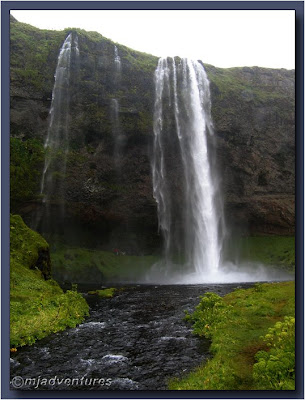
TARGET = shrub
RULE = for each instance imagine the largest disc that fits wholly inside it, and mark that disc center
(275, 369)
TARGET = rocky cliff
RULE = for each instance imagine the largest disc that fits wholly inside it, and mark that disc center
(108, 200)
(253, 112)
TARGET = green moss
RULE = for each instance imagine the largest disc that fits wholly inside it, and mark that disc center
(72, 262)
(34, 54)
(236, 325)
(140, 61)
(38, 307)
(26, 161)
(269, 250)
(107, 293)
(233, 88)
(25, 244)
(247, 83)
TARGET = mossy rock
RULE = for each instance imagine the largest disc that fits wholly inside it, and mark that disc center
(38, 306)
(28, 248)
(109, 292)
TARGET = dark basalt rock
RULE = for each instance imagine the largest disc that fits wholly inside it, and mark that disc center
(253, 112)
(43, 263)
(108, 202)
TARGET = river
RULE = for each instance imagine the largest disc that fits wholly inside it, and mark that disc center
(136, 340)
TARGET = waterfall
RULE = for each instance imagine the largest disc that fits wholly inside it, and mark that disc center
(115, 114)
(52, 187)
(117, 62)
(116, 126)
(188, 216)
(116, 131)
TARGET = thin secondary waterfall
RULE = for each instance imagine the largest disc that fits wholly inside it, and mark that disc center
(57, 141)
(117, 62)
(115, 107)
(116, 131)
(188, 216)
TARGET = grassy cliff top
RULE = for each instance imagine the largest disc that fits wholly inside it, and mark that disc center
(34, 53)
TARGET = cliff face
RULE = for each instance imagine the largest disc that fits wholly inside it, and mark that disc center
(253, 113)
(108, 181)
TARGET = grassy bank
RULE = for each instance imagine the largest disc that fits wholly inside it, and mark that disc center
(81, 265)
(276, 251)
(38, 306)
(269, 250)
(246, 356)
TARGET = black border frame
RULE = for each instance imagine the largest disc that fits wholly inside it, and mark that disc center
(298, 6)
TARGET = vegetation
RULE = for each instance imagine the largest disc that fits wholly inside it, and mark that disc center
(245, 82)
(269, 250)
(25, 244)
(140, 61)
(238, 328)
(33, 55)
(232, 88)
(78, 263)
(109, 292)
(26, 160)
(275, 369)
(38, 307)
(74, 262)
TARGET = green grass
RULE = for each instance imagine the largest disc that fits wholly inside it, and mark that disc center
(107, 293)
(269, 250)
(79, 263)
(75, 261)
(38, 307)
(237, 325)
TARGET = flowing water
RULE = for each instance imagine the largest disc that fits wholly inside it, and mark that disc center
(57, 139)
(115, 107)
(185, 182)
(183, 96)
(56, 145)
(117, 63)
(137, 340)
(116, 132)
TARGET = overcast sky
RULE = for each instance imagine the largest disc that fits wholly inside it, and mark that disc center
(224, 38)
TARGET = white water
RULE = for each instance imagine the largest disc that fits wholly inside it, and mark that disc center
(115, 118)
(226, 274)
(57, 140)
(183, 95)
(190, 210)
(115, 107)
(117, 61)
(118, 137)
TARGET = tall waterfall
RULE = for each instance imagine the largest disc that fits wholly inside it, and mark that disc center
(188, 216)
(57, 141)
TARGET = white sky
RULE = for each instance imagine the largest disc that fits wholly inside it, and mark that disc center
(224, 38)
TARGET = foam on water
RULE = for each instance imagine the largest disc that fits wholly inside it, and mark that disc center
(114, 358)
